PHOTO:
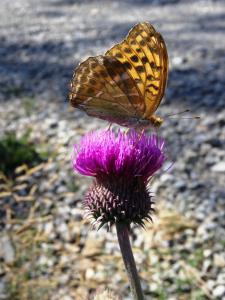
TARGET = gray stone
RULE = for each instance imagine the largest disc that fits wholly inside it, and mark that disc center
(77, 214)
(2, 290)
(64, 232)
(221, 278)
(7, 251)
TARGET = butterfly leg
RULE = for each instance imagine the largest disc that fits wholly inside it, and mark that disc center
(110, 126)
(127, 130)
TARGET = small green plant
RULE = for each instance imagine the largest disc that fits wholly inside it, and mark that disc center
(196, 259)
(17, 151)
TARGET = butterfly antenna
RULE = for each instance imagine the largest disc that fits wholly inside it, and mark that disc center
(179, 113)
(194, 117)
(174, 116)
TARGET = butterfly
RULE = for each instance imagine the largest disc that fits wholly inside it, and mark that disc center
(127, 84)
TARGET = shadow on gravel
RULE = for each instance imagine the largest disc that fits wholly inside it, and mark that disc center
(31, 70)
(213, 23)
(197, 89)
(154, 2)
(135, 2)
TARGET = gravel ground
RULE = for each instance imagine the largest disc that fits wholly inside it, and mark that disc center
(41, 42)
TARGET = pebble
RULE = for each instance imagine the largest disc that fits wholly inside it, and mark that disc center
(45, 261)
(207, 253)
(221, 278)
(64, 232)
(219, 291)
(219, 260)
(207, 266)
(64, 279)
(177, 60)
(7, 251)
(67, 298)
(219, 167)
(77, 214)
(89, 274)
(48, 228)
(210, 284)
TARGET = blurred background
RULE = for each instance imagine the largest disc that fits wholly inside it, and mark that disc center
(47, 249)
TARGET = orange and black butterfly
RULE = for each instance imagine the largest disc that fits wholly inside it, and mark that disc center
(126, 85)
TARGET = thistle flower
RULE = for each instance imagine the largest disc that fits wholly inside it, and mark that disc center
(122, 165)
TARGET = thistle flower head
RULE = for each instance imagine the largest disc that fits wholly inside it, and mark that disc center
(122, 165)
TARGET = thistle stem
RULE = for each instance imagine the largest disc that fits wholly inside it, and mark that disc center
(128, 259)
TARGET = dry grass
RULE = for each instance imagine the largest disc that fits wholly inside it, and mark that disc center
(27, 281)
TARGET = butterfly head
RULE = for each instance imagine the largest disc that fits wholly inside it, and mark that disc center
(156, 121)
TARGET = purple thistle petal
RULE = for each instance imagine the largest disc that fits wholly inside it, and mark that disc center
(104, 153)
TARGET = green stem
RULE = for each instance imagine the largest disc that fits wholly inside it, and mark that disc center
(128, 259)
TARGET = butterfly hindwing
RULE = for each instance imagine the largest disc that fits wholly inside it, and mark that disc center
(102, 88)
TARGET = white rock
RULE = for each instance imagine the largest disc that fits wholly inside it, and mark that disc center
(210, 284)
(177, 60)
(43, 260)
(67, 298)
(153, 259)
(207, 253)
(48, 228)
(219, 167)
(154, 286)
(90, 273)
(219, 260)
(64, 278)
(219, 291)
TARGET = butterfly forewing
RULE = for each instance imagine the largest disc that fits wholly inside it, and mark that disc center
(144, 55)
